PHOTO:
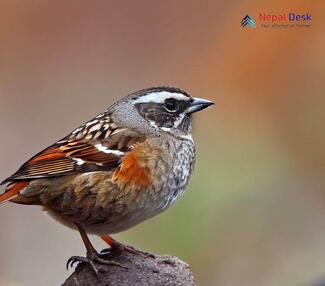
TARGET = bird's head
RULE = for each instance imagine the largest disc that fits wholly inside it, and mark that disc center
(166, 109)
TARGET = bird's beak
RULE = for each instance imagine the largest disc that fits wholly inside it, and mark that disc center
(198, 104)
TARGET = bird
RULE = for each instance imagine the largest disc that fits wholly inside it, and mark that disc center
(122, 167)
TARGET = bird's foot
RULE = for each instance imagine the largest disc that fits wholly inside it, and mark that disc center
(118, 248)
(91, 259)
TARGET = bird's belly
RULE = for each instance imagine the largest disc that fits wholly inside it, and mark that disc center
(113, 217)
(110, 218)
(100, 214)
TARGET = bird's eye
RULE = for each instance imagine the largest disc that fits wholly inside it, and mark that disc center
(171, 104)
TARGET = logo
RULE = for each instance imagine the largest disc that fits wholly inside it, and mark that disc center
(247, 20)
(278, 20)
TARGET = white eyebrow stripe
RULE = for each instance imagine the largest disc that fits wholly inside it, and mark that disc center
(104, 149)
(160, 97)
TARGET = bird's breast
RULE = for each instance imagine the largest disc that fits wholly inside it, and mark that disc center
(180, 172)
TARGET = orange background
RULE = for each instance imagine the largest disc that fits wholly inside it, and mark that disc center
(254, 213)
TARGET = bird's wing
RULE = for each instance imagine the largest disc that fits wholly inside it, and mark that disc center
(95, 146)
(68, 157)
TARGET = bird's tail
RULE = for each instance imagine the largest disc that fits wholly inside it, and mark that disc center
(12, 190)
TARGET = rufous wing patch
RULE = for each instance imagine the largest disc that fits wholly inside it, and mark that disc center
(133, 170)
(13, 190)
(48, 155)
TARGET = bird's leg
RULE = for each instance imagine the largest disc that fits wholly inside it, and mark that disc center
(92, 255)
(115, 246)
(118, 247)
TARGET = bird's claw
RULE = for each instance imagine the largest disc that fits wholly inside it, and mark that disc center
(106, 251)
(90, 260)
(79, 259)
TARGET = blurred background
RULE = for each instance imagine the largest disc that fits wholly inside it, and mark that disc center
(254, 213)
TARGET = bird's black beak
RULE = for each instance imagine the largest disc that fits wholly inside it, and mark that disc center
(198, 104)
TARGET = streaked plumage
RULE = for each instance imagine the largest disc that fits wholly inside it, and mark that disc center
(124, 166)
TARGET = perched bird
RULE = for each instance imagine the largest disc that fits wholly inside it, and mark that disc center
(120, 168)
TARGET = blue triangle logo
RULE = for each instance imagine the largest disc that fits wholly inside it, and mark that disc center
(247, 20)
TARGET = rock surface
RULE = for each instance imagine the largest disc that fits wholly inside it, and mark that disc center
(141, 270)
